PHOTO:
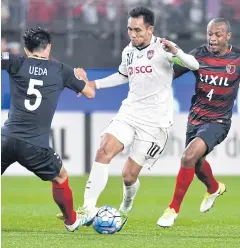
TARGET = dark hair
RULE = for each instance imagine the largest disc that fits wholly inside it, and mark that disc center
(148, 16)
(36, 39)
(220, 19)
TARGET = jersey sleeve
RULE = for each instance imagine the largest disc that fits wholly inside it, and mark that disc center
(122, 69)
(70, 80)
(180, 70)
(170, 56)
(10, 62)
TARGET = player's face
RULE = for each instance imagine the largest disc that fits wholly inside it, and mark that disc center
(140, 33)
(218, 37)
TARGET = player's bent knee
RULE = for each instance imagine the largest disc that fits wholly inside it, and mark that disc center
(61, 177)
(188, 160)
(104, 155)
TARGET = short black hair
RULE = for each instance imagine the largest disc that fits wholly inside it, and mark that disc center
(220, 19)
(148, 16)
(36, 39)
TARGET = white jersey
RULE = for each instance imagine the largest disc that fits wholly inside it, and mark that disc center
(150, 73)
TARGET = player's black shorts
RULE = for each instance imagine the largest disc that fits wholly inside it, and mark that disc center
(43, 162)
(211, 133)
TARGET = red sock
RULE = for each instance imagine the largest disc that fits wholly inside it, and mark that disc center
(184, 179)
(62, 195)
(204, 174)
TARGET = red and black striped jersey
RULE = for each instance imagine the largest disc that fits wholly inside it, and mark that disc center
(217, 83)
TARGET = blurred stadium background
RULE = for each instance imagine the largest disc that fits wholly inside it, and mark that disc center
(91, 34)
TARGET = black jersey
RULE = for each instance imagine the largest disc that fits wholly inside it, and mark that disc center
(217, 83)
(35, 86)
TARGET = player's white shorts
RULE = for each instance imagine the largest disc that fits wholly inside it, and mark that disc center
(146, 143)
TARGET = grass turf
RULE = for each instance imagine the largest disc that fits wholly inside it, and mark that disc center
(28, 216)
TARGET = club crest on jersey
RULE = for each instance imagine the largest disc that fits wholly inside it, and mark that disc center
(230, 68)
(150, 54)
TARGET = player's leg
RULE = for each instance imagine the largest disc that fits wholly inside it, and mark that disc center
(116, 136)
(131, 184)
(214, 188)
(145, 151)
(47, 165)
(204, 173)
(194, 151)
(200, 141)
(8, 155)
(110, 146)
(213, 135)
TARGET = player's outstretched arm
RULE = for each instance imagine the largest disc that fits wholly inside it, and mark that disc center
(179, 57)
(111, 81)
(121, 77)
(10, 62)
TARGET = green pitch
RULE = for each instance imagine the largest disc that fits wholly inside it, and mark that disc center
(28, 216)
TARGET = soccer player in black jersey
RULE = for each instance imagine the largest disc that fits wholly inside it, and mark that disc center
(36, 84)
(217, 83)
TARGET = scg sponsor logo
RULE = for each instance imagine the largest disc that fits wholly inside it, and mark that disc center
(139, 69)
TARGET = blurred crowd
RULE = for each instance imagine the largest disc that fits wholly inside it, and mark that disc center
(174, 17)
(75, 24)
(13, 47)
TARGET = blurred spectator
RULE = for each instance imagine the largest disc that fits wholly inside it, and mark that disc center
(133, 3)
(42, 11)
(196, 12)
(4, 11)
(77, 8)
(89, 20)
(3, 45)
(213, 8)
(90, 13)
(15, 9)
(14, 47)
(231, 10)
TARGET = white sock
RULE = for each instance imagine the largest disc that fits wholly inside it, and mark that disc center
(129, 193)
(96, 183)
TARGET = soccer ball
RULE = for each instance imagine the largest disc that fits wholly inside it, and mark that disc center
(107, 220)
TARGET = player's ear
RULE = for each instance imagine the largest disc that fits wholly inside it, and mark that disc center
(28, 53)
(229, 35)
(150, 29)
(49, 46)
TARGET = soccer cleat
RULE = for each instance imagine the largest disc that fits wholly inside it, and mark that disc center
(209, 199)
(86, 216)
(127, 209)
(168, 218)
(79, 211)
(74, 226)
(83, 213)
(124, 218)
(60, 216)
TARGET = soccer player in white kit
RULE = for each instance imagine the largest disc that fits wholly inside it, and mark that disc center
(146, 114)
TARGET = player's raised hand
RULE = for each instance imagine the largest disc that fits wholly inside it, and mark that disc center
(81, 73)
(168, 46)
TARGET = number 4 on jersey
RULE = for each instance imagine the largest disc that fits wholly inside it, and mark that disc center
(209, 95)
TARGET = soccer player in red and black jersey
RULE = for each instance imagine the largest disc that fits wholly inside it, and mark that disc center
(36, 84)
(217, 83)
